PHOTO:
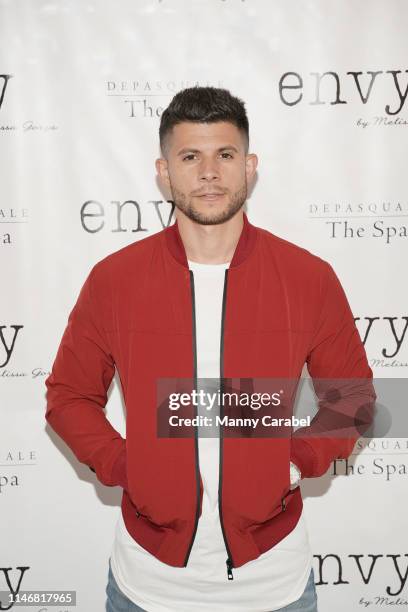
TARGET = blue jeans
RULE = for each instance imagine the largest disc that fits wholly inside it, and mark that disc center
(118, 602)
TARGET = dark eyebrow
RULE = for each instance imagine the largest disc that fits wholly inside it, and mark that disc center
(187, 150)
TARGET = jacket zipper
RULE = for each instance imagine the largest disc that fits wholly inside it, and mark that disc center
(229, 561)
(197, 468)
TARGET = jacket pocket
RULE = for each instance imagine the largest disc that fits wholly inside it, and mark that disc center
(138, 514)
(276, 510)
(279, 509)
(145, 516)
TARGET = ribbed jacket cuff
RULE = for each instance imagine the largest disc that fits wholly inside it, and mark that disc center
(119, 471)
(303, 456)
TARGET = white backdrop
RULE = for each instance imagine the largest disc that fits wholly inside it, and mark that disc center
(82, 87)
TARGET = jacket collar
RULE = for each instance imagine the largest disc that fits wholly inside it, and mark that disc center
(244, 246)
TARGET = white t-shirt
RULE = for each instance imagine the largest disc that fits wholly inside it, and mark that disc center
(275, 579)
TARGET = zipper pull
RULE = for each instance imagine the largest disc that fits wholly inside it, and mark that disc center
(283, 504)
(229, 569)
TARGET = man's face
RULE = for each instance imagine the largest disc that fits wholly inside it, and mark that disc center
(207, 170)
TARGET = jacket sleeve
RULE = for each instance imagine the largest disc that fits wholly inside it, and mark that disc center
(77, 391)
(342, 380)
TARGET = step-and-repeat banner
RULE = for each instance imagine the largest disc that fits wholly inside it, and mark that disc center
(82, 88)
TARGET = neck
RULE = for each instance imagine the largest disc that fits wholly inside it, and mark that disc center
(210, 244)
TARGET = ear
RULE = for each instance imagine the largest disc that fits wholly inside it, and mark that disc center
(251, 164)
(162, 170)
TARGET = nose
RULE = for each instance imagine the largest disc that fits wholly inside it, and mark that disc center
(208, 170)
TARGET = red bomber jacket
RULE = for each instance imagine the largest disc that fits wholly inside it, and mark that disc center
(282, 307)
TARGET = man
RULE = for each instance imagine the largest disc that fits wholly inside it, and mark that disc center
(207, 523)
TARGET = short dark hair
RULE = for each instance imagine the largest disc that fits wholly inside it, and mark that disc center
(203, 105)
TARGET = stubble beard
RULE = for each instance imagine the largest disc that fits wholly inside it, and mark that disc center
(235, 203)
